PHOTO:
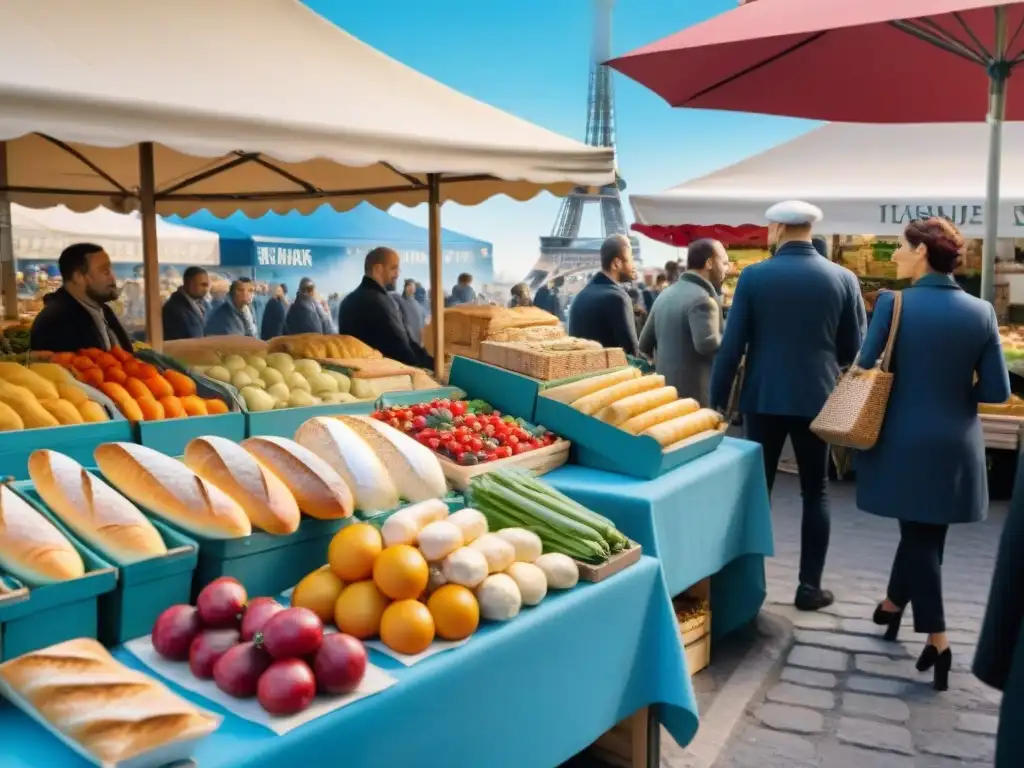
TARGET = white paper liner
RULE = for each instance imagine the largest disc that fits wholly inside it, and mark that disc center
(375, 681)
(438, 646)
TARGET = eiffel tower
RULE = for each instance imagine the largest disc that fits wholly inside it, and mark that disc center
(564, 251)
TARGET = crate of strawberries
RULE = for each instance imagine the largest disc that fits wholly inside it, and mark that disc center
(471, 437)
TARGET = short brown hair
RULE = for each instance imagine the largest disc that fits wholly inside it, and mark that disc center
(943, 243)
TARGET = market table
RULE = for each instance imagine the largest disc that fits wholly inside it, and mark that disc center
(529, 693)
(708, 518)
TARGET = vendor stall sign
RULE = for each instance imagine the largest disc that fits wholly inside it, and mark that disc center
(279, 256)
(960, 215)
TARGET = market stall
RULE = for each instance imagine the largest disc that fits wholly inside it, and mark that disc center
(329, 247)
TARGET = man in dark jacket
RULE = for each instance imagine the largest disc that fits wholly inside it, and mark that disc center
(799, 319)
(550, 298)
(185, 310)
(274, 314)
(373, 317)
(305, 314)
(76, 316)
(233, 316)
(603, 311)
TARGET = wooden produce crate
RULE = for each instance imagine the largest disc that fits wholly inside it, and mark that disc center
(467, 326)
(539, 462)
(625, 745)
(611, 566)
(551, 360)
(1001, 432)
(693, 611)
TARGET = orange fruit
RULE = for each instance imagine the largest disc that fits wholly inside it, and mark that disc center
(136, 388)
(82, 363)
(114, 391)
(150, 408)
(91, 376)
(353, 551)
(215, 405)
(455, 611)
(319, 592)
(130, 409)
(93, 353)
(115, 374)
(159, 386)
(182, 384)
(359, 609)
(121, 354)
(407, 627)
(173, 408)
(194, 405)
(401, 572)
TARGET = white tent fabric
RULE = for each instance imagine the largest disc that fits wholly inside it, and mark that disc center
(43, 234)
(868, 179)
(209, 81)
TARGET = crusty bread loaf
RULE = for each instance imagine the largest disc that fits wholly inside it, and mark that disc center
(264, 497)
(166, 487)
(319, 490)
(98, 514)
(32, 549)
(112, 711)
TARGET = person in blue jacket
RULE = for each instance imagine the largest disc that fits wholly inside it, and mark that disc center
(927, 469)
(274, 314)
(797, 318)
(305, 314)
(233, 316)
(184, 312)
(603, 311)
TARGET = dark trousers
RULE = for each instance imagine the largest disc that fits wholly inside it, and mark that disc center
(812, 462)
(917, 574)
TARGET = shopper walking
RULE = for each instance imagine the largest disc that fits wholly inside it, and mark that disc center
(795, 317)
(603, 311)
(927, 469)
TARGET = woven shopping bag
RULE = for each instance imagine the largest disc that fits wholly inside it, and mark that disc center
(853, 414)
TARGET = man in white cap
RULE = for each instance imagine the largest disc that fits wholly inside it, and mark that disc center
(798, 318)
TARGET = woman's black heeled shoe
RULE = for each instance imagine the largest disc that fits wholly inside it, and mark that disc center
(927, 659)
(943, 663)
(888, 619)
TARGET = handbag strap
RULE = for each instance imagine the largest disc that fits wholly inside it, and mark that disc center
(894, 326)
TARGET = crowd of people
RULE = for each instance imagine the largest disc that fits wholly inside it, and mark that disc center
(796, 321)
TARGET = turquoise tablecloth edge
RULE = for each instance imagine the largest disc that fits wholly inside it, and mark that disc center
(621, 632)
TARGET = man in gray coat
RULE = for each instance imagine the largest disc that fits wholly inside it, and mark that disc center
(684, 329)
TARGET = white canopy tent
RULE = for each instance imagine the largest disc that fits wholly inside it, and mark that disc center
(175, 107)
(43, 234)
(868, 179)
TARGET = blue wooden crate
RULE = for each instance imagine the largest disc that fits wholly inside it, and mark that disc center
(284, 422)
(601, 446)
(57, 612)
(506, 391)
(144, 589)
(413, 397)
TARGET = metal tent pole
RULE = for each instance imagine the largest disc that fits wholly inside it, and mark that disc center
(999, 71)
(150, 258)
(436, 286)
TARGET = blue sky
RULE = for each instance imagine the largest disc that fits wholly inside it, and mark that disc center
(531, 58)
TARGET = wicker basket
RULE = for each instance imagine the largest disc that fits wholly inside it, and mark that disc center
(548, 361)
(466, 327)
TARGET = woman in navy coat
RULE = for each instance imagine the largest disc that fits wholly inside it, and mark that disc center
(928, 468)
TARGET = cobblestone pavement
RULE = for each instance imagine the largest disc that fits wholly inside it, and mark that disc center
(844, 696)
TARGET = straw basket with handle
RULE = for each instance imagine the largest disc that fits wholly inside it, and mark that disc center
(853, 414)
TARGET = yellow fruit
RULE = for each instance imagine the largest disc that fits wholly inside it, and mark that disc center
(455, 612)
(359, 609)
(353, 551)
(63, 411)
(19, 375)
(25, 404)
(92, 412)
(401, 572)
(10, 421)
(73, 393)
(318, 591)
(407, 627)
(54, 373)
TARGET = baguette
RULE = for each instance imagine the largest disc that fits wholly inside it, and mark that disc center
(413, 467)
(32, 549)
(570, 393)
(166, 487)
(349, 456)
(684, 427)
(114, 713)
(634, 405)
(672, 410)
(266, 500)
(318, 489)
(592, 403)
(98, 514)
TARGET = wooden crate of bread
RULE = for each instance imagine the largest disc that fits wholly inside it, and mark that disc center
(466, 327)
(321, 345)
(693, 612)
(550, 360)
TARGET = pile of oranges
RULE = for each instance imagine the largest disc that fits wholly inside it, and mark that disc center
(139, 389)
(370, 591)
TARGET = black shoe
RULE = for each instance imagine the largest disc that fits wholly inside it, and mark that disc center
(812, 598)
(944, 662)
(928, 657)
(890, 620)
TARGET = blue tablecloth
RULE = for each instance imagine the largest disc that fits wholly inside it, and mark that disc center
(529, 693)
(710, 517)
